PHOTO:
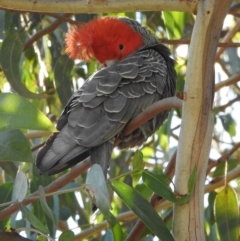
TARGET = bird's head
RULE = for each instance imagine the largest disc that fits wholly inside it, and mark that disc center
(106, 39)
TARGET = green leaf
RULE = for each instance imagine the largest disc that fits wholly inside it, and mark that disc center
(97, 190)
(48, 211)
(229, 124)
(169, 23)
(114, 224)
(138, 167)
(67, 235)
(6, 195)
(18, 113)
(220, 169)
(209, 213)
(141, 207)
(174, 22)
(14, 147)
(159, 184)
(6, 192)
(227, 214)
(62, 73)
(20, 187)
(33, 219)
(10, 168)
(10, 56)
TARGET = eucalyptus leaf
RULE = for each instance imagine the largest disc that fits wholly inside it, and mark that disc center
(66, 235)
(10, 56)
(14, 147)
(142, 208)
(138, 167)
(96, 187)
(20, 187)
(97, 190)
(17, 112)
(47, 210)
(33, 219)
(227, 214)
(62, 73)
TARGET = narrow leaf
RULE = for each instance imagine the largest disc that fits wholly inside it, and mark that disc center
(18, 113)
(141, 207)
(114, 224)
(48, 211)
(14, 147)
(159, 184)
(138, 167)
(169, 23)
(33, 219)
(67, 235)
(10, 55)
(209, 211)
(227, 214)
(20, 187)
(62, 75)
(229, 124)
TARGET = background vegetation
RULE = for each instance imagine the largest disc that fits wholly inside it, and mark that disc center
(41, 79)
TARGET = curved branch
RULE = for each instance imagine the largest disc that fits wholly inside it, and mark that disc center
(41, 33)
(149, 113)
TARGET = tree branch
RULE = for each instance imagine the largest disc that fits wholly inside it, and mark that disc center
(223, 158)
(42, 32)
(187, 41)
(232, 80)
(228, 38)
(97, 6)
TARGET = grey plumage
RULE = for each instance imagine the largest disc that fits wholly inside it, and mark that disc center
(97, 113)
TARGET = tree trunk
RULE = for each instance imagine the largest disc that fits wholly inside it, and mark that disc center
(196, 130)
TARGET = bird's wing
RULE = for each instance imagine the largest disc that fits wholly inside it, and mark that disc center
(101, 108)
(113, 96)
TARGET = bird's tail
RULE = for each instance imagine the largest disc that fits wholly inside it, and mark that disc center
(59, 153)
(102, 155)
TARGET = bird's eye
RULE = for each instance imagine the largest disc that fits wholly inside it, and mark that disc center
(121, 46)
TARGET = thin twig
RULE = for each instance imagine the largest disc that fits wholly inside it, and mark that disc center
(223, 107)
(232, 80)
(212, 164)
(187, 42)
(228, 39)
(41, 33)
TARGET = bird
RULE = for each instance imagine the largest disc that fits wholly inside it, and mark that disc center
(136, 71)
